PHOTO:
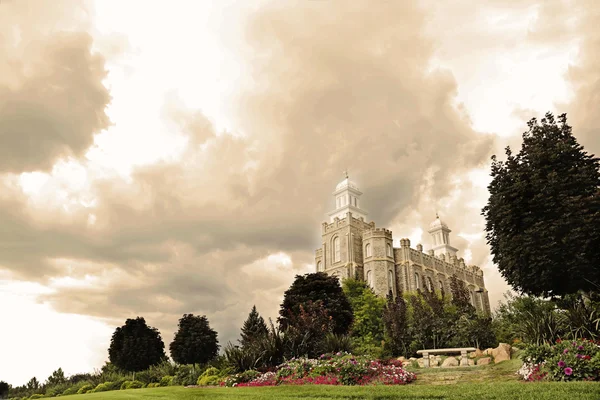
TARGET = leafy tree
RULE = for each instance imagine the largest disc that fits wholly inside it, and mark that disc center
(368, 311)
(314, 288)
(543, 212)
(306, 330)
(195, 342)
(135, 346)
(253, 329)
(4, 388)
(460, 295)
(395, 319)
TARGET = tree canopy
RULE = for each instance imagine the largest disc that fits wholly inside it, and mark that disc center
(135, 346)
(254, 328)
(317, 288)
(368, 310)
(543, 213)
(4, 387)
(195, 342)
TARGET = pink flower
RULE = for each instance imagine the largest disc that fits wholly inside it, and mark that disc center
(566, 351)
(568, 371)
(561, 363)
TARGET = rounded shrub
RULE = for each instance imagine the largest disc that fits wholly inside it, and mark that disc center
(85, 388)
(166, 381)
(37, 396)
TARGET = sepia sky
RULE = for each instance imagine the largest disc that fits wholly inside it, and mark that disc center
(161, 158)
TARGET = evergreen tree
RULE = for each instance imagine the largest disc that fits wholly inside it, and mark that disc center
(543, 213)
(317, 288)
(254, 328)
(135, 346)
(195, 342)
(368, 311)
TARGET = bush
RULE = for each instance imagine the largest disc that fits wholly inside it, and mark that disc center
(85, 388)
(103, 387)
(132, 385)
(166, 381)
(37, 396)
(244, 377)
(210, 377)
(566, 360)
(187, 375)
(153, 385)
(69, 391)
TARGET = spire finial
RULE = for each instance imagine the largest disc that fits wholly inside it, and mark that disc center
(436, 215)
(346, 173)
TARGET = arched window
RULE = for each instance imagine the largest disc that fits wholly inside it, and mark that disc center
(370, 278)
(417, 281)
(319, 266)
(429, 284)
(441, 285)
(472, 298)
(390, 281)
(336, 249)
(368, 250)
(389, 250)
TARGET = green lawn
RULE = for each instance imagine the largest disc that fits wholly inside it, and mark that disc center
(462, 391)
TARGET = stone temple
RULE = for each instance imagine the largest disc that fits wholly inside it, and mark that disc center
(353, 247)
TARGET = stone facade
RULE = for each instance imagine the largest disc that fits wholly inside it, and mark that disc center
(352, 247)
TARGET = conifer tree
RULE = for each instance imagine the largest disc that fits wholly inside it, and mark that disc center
(254, 328)
(460, 295)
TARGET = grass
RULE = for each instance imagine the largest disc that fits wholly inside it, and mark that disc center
(463, 391)
(494, 382)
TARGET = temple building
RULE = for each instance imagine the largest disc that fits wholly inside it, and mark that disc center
(353, 247)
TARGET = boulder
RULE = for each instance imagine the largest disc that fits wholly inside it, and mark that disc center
(472, 354)
(406, 363)
(501, 353)
(488, 352)
(421, 362)
(479, 353)
(471, 362)
(484, 361)
(450, 362)
(401, 358)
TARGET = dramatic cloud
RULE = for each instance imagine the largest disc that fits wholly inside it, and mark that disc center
(52, 100)
(327, 91)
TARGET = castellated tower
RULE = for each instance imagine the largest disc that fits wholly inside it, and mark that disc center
(379, 269)
(352, 247)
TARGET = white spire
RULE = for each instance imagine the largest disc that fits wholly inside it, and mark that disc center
(347, 199)
(440, 237)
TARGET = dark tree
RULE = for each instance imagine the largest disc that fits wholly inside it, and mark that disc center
(254, 328)
(4, 387)
(317, 287)
(460, 295)
(195, 342)
(135, 346)
(395, 322)
(33, 384)
(543, 213)
(306, 330)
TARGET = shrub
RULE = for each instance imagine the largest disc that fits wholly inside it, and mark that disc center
(166, 381)
(85, 388)
(37, 396)
(69, 391)
(333, 343)
(210, 377)
(187, 375)
(566, 360)
(244, 377)
(132, 385)
(103, 387)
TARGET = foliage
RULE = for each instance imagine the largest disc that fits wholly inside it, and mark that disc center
(211, 377)
(195, 342)
(264, 352)
(4, 387)
(581, 313)
(306, 330)
(395, 321)
(367, 309)
(135, 346)
(565, 360)
(166, 381)
(187, 375)
(253, 329)
(132, 385)
(317, 288)
(85, 388)
(460, 295)
(337, 369)
(543, 212)
(333, 343)
(56, 378)
(529, 320)
(243, 377)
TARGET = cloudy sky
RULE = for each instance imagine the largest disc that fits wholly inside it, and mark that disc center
(161, 158)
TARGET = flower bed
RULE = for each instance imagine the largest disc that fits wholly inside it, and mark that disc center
(564, 361)
(338, 369)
